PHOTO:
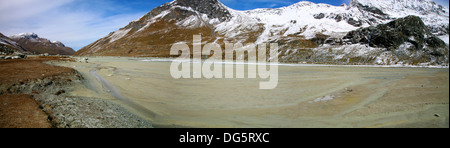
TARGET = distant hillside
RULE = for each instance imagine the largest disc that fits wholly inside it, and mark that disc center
(37, 45)
(8, 46)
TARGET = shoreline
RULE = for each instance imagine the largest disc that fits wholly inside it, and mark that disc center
(158, 59)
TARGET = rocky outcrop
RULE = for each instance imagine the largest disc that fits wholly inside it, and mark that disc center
(374, 13)
(409, 30)
(391, 35)
(406, 37)
(212, 8)
(405, 41)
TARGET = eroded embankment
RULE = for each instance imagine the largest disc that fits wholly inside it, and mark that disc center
(49, 86)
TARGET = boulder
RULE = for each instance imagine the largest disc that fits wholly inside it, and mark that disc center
(20, 55)
(83, 60)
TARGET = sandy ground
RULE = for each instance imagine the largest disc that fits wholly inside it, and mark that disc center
(306, 96)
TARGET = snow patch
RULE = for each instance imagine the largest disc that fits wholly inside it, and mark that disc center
(190, 22)
(404, 48)
(323, 99)
(118, 34)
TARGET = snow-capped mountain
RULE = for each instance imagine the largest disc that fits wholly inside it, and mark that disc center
(436, 17)
(302, 29)
(37, 45)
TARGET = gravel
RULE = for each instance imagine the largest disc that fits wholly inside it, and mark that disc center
(85, 112)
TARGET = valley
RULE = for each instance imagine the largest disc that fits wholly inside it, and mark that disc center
(362, 64)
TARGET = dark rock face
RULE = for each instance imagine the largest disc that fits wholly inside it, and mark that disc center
(404, 31)
(212, 8)
(338, 18)
(393, 34)
(372, 13)
(370, 9)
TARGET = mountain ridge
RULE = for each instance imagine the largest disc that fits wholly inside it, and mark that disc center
(37, 45)
(303, 25)
(8, 46)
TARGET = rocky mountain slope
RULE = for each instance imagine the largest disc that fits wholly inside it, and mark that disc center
(305, 31)
(403, 41)
(37, 45)
(8, 46)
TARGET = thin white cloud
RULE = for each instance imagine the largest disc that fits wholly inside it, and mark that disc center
(277, 2)
(13, 10)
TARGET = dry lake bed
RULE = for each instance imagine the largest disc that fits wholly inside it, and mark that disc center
(306, 95)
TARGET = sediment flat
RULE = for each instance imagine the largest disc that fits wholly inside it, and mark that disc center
(306, 96)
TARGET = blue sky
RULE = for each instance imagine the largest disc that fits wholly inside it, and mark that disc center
(78, 23)
(253, 4)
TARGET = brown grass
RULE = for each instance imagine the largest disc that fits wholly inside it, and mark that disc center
(20, 70)
(21, 111)
(158, 38)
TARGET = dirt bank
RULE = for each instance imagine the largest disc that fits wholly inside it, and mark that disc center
(50, 86)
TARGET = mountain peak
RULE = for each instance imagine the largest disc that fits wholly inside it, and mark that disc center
(58, 43)
(25, 35)
(304, 25)
(212, 8)
(38, 45)
(418, 5)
